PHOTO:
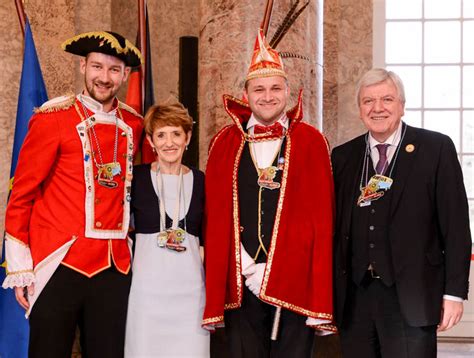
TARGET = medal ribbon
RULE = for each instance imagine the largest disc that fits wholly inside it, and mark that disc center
(253, 155)
(365, 167)
(161, 200)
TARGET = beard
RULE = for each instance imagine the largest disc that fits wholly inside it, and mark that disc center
(101, 97)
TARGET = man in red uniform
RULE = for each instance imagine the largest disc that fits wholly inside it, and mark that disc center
(269, 217)
(68, 256)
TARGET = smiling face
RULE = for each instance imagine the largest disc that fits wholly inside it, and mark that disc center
(169, 143)
(103, 76)
(381, 109)
(267, 97)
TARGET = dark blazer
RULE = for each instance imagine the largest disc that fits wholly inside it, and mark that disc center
(428, 231)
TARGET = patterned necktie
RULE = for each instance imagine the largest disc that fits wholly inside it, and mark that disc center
(273, 131)
(382, 163)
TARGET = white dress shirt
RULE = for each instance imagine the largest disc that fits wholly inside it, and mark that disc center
(264, 152)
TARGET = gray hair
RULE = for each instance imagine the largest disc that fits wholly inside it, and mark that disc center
(378, 75)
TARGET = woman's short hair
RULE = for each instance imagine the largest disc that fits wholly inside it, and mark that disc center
(377, 75)
(168, 114)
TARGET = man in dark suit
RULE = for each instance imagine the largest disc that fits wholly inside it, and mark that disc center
(402, 245)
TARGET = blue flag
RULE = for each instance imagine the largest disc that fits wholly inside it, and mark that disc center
(14, 329)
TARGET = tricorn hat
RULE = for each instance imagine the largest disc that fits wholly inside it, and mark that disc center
(106, 42)
(266, 62)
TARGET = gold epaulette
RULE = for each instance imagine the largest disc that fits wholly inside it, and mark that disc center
(57, 104)
(129, 109)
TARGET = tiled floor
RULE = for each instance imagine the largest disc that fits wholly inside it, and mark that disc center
(455, 350)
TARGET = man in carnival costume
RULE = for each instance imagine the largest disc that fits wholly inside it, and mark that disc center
(68, 256)
(269, 218)
(403, 244)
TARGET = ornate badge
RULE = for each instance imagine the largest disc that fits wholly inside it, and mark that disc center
(375, 189)
(265, 179)
(172, 239)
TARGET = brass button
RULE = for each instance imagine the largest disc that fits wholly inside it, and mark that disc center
(97, 201)
(124, 155)
(98, 224)
(119, 225)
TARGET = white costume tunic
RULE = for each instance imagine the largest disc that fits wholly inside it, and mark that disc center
(167, 295)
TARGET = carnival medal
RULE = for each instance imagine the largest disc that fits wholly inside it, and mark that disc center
(375, 189)
(175, 239)
(106, 173)
(161, 238)
(265, 179)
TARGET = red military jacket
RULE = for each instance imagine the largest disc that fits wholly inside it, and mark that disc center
(56, 196)
(298, 273)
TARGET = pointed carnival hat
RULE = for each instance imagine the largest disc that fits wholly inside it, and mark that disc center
(266, 62)
(106, 42)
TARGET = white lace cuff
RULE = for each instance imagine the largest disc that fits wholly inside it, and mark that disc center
(19, 279)
(19, 264)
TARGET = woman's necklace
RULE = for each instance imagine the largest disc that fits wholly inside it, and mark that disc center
(171, 238)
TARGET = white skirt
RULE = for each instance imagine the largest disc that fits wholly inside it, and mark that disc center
(166, 302)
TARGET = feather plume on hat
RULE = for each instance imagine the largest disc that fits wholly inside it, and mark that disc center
(266, 61)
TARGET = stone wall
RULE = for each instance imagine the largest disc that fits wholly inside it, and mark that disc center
(347, 55)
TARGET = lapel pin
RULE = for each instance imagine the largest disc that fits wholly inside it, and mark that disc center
(410, 148)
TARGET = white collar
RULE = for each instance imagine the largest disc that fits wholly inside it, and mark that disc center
(253, 121)
(393, 140)
(93, 105)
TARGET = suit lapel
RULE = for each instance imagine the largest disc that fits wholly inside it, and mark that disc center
(352, 183)
(403, 165)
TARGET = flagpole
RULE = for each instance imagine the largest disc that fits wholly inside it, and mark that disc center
(21, 15)
(143, 49)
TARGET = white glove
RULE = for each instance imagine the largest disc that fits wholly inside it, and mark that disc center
(253, 272)
(254, 281)
(247, 263)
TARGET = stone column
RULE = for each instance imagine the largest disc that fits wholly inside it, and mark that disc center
(227, 35)
(347, 54)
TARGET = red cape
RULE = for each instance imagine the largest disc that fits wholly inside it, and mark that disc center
(298, 274)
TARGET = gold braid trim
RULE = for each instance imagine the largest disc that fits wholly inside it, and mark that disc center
(114, 43)
(17, 272)
(57, 104)
(231, 306)
(236, 219)
(326, 327)
(214, 140)
(213, 320)
(129, 109)
(326, 141)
